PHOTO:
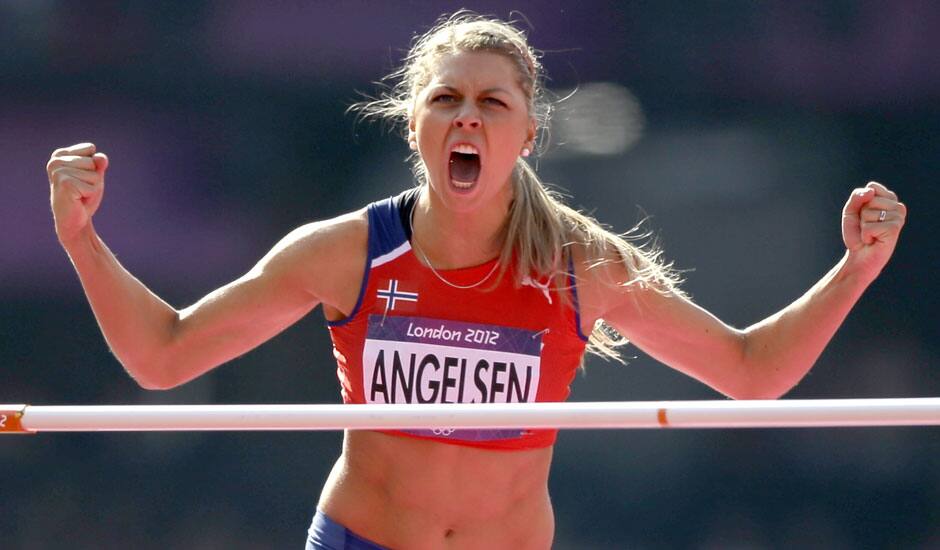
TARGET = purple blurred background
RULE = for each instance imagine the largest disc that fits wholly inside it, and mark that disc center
(739, 127)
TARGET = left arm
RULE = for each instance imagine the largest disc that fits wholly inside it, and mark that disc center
(768, 358)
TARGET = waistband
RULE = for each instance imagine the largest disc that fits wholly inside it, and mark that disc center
(326, 534)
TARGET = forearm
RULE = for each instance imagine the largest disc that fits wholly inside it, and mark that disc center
(782, 348)
(135, 322)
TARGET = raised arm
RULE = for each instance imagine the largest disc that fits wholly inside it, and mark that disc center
(767, 359)
(160, 346)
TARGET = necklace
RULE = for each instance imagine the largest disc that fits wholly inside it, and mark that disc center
(414, 242)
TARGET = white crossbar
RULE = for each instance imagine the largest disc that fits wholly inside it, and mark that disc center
(649, 414)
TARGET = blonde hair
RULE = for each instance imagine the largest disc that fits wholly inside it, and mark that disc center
(541, 228)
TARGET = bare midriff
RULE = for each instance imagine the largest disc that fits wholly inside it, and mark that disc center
(404, 492)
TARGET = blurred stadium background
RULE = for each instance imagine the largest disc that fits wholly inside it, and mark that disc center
(739, 127)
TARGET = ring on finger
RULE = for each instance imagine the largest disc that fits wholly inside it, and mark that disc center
(882, 215)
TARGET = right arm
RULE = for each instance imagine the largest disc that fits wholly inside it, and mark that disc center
(162, 347)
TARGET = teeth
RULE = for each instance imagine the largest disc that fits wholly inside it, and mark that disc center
(465, 149)
(463, 184)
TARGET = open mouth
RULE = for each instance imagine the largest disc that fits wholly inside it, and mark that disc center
(464, 169)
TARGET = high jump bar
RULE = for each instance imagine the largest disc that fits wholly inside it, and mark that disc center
(791, 413)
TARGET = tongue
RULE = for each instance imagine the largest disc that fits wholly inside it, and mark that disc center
(464, 167)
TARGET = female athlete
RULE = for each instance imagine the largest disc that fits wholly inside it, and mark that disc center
(476, 286)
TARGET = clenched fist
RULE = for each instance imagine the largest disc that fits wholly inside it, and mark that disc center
(76, 186)
(871, 223)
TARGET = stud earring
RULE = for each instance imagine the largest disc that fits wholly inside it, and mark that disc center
(413, 145)
(526, 152)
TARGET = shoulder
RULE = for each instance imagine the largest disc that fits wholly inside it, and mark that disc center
(599, 276)
(332, 238)
(324, 257)
(611, 273)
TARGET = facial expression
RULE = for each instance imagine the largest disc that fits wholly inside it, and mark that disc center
(472, 104)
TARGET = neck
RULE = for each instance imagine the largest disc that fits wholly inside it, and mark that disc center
(454, 240)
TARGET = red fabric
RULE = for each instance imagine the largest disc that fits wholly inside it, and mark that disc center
(526, 307)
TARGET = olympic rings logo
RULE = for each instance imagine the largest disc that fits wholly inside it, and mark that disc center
(443, 431)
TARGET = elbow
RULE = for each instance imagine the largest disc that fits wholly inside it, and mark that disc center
(758, 392)
(753, 382)
(759, 384)
(154, 384)
(748, 385)
(153, 368)
(151, 374)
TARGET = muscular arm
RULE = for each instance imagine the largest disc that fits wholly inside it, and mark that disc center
(762, 361)
(768, 358)
(162, 347)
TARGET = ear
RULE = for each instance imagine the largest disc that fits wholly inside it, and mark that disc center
(531, 131)
(412, 138)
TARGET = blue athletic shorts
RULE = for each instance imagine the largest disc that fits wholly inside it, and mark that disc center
(326, 534)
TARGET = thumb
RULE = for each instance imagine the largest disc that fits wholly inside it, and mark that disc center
(101, 162)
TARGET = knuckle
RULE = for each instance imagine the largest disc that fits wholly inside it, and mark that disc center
(62, 171)
(55, 175)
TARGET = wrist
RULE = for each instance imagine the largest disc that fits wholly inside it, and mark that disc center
(80, 243)
(855, 267)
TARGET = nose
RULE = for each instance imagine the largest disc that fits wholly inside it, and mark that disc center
(467, 118)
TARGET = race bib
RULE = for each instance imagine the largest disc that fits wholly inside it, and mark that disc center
(420, 360)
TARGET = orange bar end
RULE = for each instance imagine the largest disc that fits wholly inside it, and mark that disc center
(11, 419)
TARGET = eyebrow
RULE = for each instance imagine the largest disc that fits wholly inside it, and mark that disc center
(486, 91)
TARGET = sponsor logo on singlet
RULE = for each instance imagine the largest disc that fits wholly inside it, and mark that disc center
(421, 360)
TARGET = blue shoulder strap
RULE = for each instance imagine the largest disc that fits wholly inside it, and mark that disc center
(387, 241)
(385, 229)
